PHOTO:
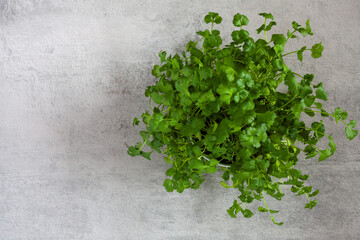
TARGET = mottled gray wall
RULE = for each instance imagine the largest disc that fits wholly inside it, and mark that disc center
(72, 77)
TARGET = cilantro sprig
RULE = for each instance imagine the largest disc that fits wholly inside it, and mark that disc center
(220, 105)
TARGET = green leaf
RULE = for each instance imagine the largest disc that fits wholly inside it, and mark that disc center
(206, 97)
(197, 124)
(262, 209)
(321, 94)
(280, 223)
(218, 20)
(278, 64)
(339, 114)
(226, 92)
(205, 73)
(306, 90)
(253, 136)
(135, 121)
(278, 39)
(270, 25)
(249, 165)
(247, 213)
(268, 118)
(316, 50)
(311, 204)
(197, 164)
(162, 56)
(164, 85)
(226, 175)
(230, 73)
(225, 185)
(171, 172)
(240, 20)
(332, 145)
(240, 36)
(213, 17)
(351, 133)
(292, 83)
(295, 25)
(324, 154)
(261, 28)
(132, 151)
(157, 97)
(168, 160)
(156, 71)
(168, 184)
(297, 109)
(300, 53)
(212, 41)
(309, 101)
(262, 163)
(146, 154)
(308, 28)
(273, 211)
(314, 193)
(267, 15)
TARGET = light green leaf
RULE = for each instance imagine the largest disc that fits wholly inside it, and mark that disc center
(316, 50)
(278, 39)
(300, 53)
(292, 83)
(262, 209)
(321, 94)
(324, 154)
(351, 133)
(156, 71)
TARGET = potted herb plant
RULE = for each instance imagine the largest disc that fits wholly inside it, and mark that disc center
(220, 106)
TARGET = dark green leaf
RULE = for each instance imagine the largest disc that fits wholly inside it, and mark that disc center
(135, 121)
(278, 39)
(247, 213)
(168, 184)
(240, 36)
(267, 15)
(240, 20)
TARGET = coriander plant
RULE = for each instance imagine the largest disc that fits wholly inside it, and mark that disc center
(217, 105)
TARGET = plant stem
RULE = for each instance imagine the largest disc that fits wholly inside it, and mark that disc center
(290, 36)
(286, 103)
(315, 131)
(265, 30)
(332, 116)
(289, 53)
(142, 146)
(298, 74)
(150, 104)
(267, 207)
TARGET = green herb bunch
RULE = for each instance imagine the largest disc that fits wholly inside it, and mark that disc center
(223, 104)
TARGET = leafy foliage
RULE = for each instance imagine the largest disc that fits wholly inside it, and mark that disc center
(223, 104)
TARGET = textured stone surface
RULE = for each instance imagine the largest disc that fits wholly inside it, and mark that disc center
(72, 77)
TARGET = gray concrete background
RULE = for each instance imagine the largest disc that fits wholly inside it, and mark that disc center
(72, 77)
